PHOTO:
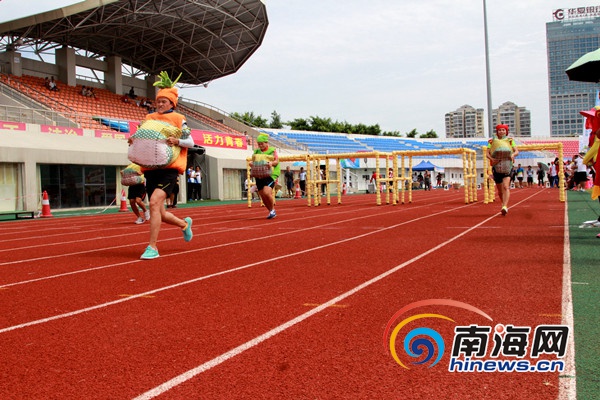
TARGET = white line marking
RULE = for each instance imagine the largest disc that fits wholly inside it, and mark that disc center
(269, 261)
(567, 388)
(157, 391)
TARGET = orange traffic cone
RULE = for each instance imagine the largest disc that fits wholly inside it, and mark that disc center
(298, 192)
(123, 202)
(45, 206)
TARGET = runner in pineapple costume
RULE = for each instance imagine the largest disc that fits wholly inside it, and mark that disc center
(502, 151)
(265, 185)
(161, 182)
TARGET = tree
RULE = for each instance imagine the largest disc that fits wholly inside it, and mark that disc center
(412, 134)
(299, 124)
(251, 119)
(430, 134)
(275, 121)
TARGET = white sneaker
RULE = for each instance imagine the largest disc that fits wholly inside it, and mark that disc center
(147, 215)
(140, 220)
(590, 222)
(596, 224)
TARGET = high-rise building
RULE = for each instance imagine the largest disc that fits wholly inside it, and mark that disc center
(572, 33)
(517, 118)
(465, 122)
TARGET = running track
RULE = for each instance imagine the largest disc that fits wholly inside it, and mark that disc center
(292, 308)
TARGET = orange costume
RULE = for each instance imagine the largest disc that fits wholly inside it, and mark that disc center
(177, 120)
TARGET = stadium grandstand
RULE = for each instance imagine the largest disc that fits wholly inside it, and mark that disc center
(71, 144)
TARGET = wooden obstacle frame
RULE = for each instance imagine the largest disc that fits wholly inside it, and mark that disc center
(398, 179)
(489, 186)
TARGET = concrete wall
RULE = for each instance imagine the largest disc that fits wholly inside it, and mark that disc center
(32, 147)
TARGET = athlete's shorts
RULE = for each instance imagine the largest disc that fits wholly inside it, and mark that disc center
(263, 182)
(499, 177)
(164, 179)
(136, 191)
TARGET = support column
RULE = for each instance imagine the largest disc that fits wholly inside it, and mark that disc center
(113, 79)
(11, 61)
(66, 62)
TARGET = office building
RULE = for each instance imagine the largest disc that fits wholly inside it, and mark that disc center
(572, 33)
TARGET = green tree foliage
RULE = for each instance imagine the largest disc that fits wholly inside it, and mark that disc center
(320, 124)
(275, 121)
(412, 134)
(250, 119)
(430, 134)
(299, 124)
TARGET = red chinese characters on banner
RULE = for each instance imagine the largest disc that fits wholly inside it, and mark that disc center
(61, 130)
(12, 126)
(110, 134)
(219, 139)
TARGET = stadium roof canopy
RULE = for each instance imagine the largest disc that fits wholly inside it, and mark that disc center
(203, 39)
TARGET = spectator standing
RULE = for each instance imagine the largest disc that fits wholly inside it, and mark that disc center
(553, 173)
(580, 170)
(520, 175)
(289, 181)
(302, 177)
(160, 183)
(198, 185)
(541, 175)
(529, 173)
(427, 180)
(190, 181)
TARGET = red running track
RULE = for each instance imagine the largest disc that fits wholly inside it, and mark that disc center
(294, 307)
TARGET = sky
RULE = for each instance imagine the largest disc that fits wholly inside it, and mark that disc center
(400, 64)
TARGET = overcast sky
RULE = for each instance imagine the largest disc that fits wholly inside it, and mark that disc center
(401, 64)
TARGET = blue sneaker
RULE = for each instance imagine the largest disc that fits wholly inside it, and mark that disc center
(187, 232)
(272, 214)
(150, 254)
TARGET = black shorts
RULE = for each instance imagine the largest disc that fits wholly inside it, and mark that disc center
(263, 182)
(499, 177)
(135, 191)
(580, 176)
(164, 179)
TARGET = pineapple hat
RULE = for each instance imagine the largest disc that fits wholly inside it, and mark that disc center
(167, 87)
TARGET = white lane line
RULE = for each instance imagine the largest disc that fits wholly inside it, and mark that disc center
(162, 388)
(268, 261)
(188, 251)
(567, 381)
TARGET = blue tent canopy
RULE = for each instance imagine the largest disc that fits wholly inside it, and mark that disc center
(425, 166)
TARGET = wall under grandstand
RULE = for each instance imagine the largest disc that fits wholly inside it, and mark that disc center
(29, 150)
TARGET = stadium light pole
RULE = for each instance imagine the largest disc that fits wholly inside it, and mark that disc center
(487, 73)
